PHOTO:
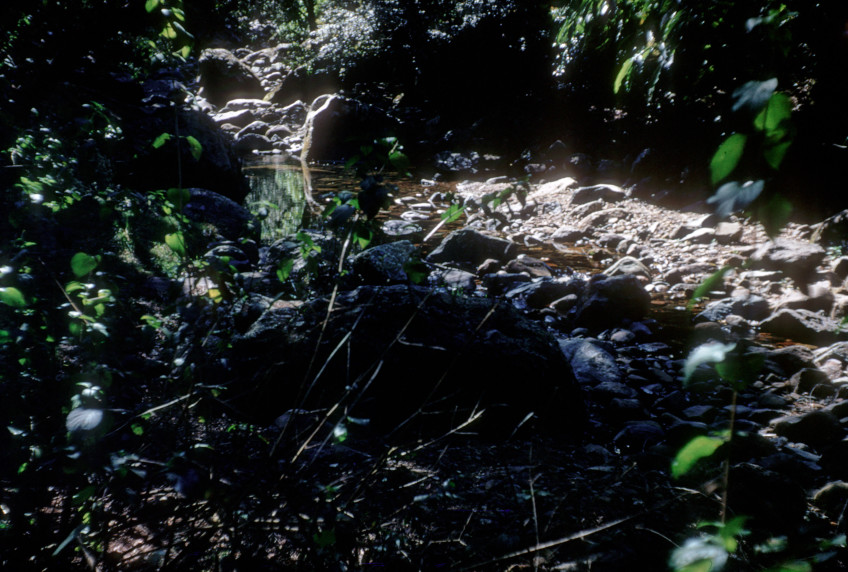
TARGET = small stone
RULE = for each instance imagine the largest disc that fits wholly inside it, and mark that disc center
(568, 234)
(728, 232)
(628, 265)
(700, 236)
(832, 499)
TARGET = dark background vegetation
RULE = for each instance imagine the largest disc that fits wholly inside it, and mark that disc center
(509, 77)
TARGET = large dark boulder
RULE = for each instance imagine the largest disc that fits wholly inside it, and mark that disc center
(609, 301)
(341, 126)
(803, 326)
(224, 77)
(470, 247)
(409, 349)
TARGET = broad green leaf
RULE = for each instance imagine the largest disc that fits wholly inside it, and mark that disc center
(179, 27)
(730, 530)
(184, 51)
(415, 270)
(161, 140)
(774, 154)
(774, 214)
(285, 269)
(452, 213)
(732, 197)
(698, 448)
(623, 73)
(740, 370)
(352, 161)
(83, 495)
(176, 242)
(399, 161)
(707, 353)
(362, 235)
(82, 264)
(727, 156)
(13, 297)
(776, 112)
(179, 197)
(151, 321)
(151, 5)
(326, 538)
(753, 95)
(194, 145)
(168, 31)
(711, 283)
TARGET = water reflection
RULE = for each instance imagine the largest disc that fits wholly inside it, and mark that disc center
(276, 193)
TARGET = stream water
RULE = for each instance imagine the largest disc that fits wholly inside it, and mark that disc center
(277, 192)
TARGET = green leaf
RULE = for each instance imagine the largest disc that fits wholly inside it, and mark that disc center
(179, 197)
(727, 156)
(362, 235)
(452, 213)
(753, 95)
(285, 269)
(176, 242)
(775, 113)
(623, 73)
(732, 197)
(774, 214)
(151, 321)
(774, 154)
(326, 538)
(184, 52)
(712, 282)
(83, 419)
(179, 27)
(151, 5)
(729, 531)
(13, 297)
(740, 370)
(399, 161)
(698, 448)
(83, 495)
(415, 270)
(194, 145)
(161, 140)
(168, 31)
(707, 353)
(82, 264)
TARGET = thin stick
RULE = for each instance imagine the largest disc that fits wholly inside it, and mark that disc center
(545, 545)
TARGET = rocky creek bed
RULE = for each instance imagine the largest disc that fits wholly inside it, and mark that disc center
(515, 410)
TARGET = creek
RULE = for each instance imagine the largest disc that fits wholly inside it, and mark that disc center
(277, 193)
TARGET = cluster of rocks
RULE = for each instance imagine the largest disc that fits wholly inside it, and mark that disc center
(598, 358)
(263, 105)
